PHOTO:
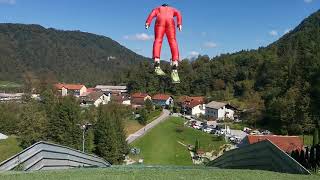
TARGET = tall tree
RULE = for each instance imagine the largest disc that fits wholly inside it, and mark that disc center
(64, 125)
(33, 125)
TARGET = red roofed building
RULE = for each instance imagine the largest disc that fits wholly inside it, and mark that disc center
(121, 99)
(140, 95)
(183, 99)
(163, 100)
(71, 89)
(138, 99)
(192, 105)
(285, 143)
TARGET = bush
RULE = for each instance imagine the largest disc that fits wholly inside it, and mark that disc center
(179, 129)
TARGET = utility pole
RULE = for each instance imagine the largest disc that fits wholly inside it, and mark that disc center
(84, 129)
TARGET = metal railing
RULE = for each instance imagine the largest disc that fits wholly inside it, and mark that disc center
(45, 156)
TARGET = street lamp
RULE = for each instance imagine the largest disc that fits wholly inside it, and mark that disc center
(85, 128)
(184, 111)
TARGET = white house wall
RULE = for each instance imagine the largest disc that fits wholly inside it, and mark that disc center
(126, 102)
(64, 91)
(220, 113)
(230, 114)
(197, 110)
(102, 100)
(83, 90)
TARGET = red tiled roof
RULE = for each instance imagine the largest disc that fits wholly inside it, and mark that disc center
(161, 97)
(69, 86)
(192, 104)
(139, 95)
(286, 143)
(90, 90)
(183, 98)
(119, 98)
(137, 101)
(189, 99)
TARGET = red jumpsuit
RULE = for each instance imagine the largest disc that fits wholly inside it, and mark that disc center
(165, 24)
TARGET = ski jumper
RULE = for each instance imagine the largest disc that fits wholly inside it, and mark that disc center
(165, 24)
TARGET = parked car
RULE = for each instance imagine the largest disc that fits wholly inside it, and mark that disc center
(266, 132)
(255, 132)
(235, 139)
(197, 127)
(208, 130)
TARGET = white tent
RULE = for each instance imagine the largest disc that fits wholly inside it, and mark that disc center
(2, 136)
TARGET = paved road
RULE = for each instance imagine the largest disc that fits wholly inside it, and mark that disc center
(144, 130)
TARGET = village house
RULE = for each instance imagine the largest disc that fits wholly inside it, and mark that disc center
(194, 106)
(163, 100)
(138, 99)
(219, 111)
(95, 98)
(113, 89)
(121, 99)
(71, 89)
(285, 143)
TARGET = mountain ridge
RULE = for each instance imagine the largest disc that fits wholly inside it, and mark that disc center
(34, 48)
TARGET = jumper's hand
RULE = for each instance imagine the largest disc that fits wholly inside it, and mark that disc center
(147, 26)
(180, 27)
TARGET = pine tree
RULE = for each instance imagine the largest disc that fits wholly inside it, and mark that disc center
(143, 117)
(315, 137)
(104, 137)
(64, 125)
(110, 139)
(121, 138)
(302, 160)
(148, 105)
(312, 158)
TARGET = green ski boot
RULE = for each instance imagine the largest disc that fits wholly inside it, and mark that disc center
(174, 75)
(158, 70)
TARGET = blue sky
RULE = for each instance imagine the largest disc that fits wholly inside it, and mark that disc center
(210, 27)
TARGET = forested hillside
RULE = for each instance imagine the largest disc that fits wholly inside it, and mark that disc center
(71, 56)
(278, 84)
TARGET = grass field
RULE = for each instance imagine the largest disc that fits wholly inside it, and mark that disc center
(132, 126)
(148, 173)
(8, 148)
(307, 139)
(7, 84)
(161, 145)
(153, 115)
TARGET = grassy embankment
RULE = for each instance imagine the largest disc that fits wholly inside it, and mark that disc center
(162, 145)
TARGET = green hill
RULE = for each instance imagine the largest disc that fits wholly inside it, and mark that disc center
(71, 56)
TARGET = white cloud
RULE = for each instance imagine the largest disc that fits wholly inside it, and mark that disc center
(308, 1)
(210, 45)
(11, 2)
(194, 53)
(139, 37)
(273, 33)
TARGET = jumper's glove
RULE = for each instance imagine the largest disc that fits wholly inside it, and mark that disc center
(147, 26)
(180, 27)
